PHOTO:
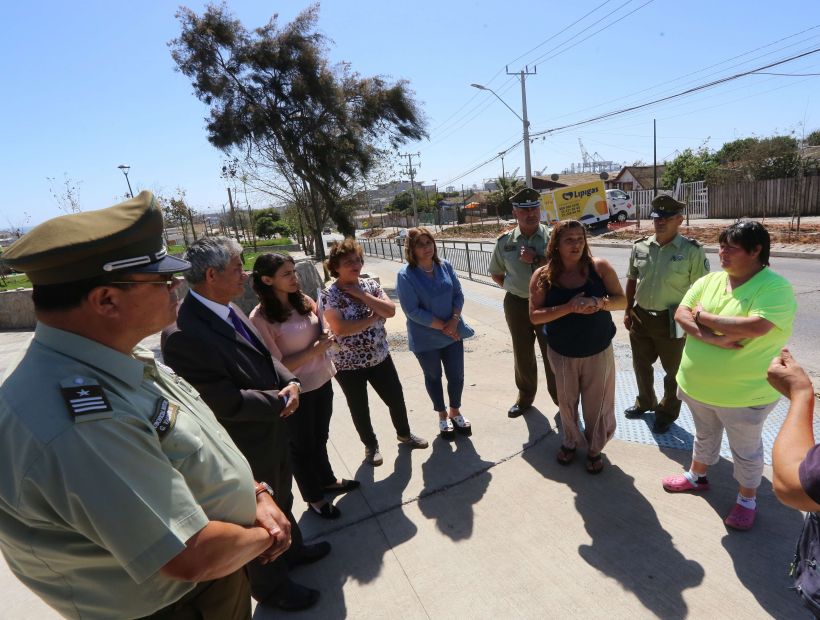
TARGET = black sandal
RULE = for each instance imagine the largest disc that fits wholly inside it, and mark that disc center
(565, 455)
(327, 511)
(595, 464)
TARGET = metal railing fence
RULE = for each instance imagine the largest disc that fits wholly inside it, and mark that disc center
(469, 257)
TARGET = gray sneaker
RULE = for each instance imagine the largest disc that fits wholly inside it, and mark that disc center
(412, 441)
(372, 455)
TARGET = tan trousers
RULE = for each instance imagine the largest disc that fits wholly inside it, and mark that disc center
(744, 428)
(589, 381)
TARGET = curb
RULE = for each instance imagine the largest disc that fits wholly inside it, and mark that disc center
(713, 250)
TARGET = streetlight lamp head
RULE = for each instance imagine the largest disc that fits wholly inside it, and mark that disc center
(479, 87)
(124, 167)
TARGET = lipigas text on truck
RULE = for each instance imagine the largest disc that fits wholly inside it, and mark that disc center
(589, 203)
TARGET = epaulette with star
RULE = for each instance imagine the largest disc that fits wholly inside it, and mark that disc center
(85, 399)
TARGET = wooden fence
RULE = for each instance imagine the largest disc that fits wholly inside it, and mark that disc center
(775, 197)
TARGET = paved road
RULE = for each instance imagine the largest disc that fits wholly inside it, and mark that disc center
(804, 274)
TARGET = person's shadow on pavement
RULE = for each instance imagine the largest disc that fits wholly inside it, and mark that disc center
(628, 542)
(450, 464)
(358, 552)
(761, 556)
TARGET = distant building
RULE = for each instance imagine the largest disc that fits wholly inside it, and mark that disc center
(545, 182)
(636, 177)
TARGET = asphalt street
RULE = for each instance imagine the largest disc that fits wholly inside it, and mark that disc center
(804, 274)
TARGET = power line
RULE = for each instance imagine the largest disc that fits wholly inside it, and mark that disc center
(547, 40)
(688, 91)
(692, 73)
(545, 56)
(786, 74)
(563, 30)
(612, 114)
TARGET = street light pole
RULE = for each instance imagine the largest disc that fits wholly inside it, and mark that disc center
(526, 124)
(125, 168)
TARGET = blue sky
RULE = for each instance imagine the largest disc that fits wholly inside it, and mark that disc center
(91, 85)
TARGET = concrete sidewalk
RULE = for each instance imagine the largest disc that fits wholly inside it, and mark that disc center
(492, 527)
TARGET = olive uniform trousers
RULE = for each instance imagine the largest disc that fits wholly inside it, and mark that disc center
(524, 334)
(650, 340)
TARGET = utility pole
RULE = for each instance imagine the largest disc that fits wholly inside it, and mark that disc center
(411, 171)
(503, 189)
(435, 199)
(655, 157)
(523, 75)
(233, 214)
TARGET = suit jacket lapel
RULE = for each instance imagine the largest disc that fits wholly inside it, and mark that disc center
(251, 328)
(219, 325)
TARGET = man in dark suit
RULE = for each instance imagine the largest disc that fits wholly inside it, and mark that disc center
(215, 347)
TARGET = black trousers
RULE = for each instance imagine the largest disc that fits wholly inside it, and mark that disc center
(385, 380)
(524, 334)
(266, 579)
(308, 430)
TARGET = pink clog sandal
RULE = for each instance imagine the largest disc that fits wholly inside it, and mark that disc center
(741, 518)
(681, 484)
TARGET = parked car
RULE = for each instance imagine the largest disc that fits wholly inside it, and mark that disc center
(620, 205)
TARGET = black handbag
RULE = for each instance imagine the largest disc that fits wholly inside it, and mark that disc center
(804, 568)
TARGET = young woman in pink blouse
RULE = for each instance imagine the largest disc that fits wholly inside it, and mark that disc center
(291, 328)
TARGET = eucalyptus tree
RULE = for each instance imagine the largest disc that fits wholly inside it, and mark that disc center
(275, 98)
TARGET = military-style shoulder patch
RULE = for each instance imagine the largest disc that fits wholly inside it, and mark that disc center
(85, 399)
(693, 241)
(165, 416)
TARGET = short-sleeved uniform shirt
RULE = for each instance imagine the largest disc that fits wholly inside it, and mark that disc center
(665, 272)
(108, 464)
(505, 261)
(367, 348)
(737, 377)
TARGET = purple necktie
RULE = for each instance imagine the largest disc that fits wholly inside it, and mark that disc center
(240, 327)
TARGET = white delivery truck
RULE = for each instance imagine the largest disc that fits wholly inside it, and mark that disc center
(588, 203)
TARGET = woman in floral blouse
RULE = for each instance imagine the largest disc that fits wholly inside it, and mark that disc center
(355, 309)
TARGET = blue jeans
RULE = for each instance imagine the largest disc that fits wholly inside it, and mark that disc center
(452, 358)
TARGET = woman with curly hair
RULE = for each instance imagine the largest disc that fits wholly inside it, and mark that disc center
(430, 295)
(356, 309)
(573, 295)
(290, 327)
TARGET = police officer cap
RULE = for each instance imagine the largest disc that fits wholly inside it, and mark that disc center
(526, 198)
(666, 206)
(124, 238)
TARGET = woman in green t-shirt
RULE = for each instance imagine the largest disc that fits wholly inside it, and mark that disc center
(736, 321)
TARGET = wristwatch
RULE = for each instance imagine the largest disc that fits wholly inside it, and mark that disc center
(297, 384)
(263, 487)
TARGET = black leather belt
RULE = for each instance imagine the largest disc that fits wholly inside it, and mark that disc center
(653, 312)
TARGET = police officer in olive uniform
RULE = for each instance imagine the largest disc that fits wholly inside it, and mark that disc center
(121, 496)
(661, 269)
(516, 255)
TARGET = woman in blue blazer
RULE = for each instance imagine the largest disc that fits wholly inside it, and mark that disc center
(431, 298)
